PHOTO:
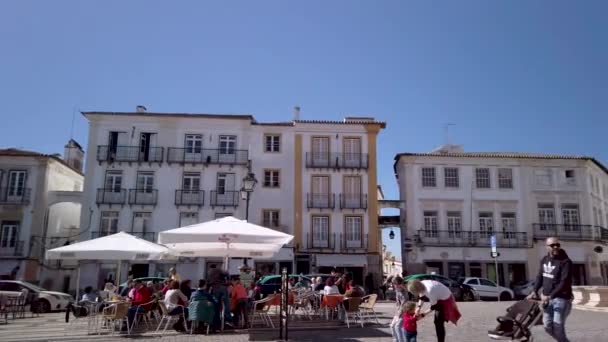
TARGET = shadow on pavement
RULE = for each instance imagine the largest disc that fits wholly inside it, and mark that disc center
(342, 334)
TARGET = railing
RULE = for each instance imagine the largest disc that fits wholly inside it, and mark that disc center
(566, 231)
(353, 201)
(97, 234)
(129, 154)
(320, 201)
(340, 160)
(207, 156)
(143, 196)
(190, 197)
(225, 199)
(15, 195)
(354, 245)
(111, 196)
(472, 238)
(15, 250)
(149, 236)
(329, 243)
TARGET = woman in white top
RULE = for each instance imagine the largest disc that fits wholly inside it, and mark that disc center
(441, 300)
(172, 298)
(330, 288)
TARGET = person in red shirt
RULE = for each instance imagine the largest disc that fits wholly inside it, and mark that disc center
(140, 297)
(238, 300)
(409, 321)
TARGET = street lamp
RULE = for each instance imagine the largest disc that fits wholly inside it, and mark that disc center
(249, 183)
(391, 235)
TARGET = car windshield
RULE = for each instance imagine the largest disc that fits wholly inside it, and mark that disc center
(34, 287)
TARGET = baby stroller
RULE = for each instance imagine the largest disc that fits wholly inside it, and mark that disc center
(516, 324)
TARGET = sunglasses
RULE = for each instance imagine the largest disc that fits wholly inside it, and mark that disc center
(554, 245)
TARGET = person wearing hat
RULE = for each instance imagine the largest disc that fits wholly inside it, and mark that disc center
(246, 276)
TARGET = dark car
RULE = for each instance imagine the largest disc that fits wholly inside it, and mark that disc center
(461, 292)
(272, 284)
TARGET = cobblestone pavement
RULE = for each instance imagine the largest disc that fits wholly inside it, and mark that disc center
(478, 318)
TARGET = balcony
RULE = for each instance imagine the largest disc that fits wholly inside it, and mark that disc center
(130, 154)
(190, 197)
(111, 196)
(471, 239)
(148, 236)
(224, 199)
(15, 196)
(354, 246)
(353, 201)
(183, 155)
(327, 244)
(575, 232)
(336, 160)
(320, 201)
(12, 249)
(143, 196)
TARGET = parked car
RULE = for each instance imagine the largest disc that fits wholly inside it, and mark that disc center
(48, 300)
(523, 289)
(272, 284)
(461, 292)
(145, 280)
(487, 289)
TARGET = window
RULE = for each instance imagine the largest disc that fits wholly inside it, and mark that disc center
(272, 178)
(9, 234)
(454, 223)
(227, 144)
(486, 282)
(473, 282)
(546, 216)
(508, 225)
(145, 181)
(191, 181)
(482, 178)
(113, 181)
(543, 177)
(430, 223)
(320, 231)
(351, 150)
(428, 177)
(270, 218)
(16, 183)
(225, 182)
(569, 174)
(570, 217)
(450, 175)
(505, 178)
(353, 231)
(486, 226)
(194, 143)
(272, 143)
(109, 223)
(141, 222)
(188, 218)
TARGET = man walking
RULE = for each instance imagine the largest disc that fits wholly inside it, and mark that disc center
(555, 279)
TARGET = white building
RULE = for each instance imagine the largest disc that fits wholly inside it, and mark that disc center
(39, 209)
(149, 172)
(454, 202)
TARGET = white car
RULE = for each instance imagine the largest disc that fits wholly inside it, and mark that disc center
(49, 300)
(488, 290)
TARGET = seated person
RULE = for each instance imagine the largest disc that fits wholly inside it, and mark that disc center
(141, 296)
(88, 295)
(238, 300)
(330, 288)
(201, 294)
(354, 291)
(172, 297)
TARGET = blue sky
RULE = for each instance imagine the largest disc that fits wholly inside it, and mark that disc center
(519, 75)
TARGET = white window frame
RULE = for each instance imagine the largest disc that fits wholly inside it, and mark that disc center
(272, 143)
(509, 224)
(193, 143)
(571, 217)
(428, 177)
(505, 178)
(546, 216)
(481, 181)
(16, 182)
(431, 223)
(188, 215)
(108, 223)
(227, 144)
(145, 181)
(272, 178)
(9, 234)
(451, 177)
(320, 231)
(486, 223)
(543, 177)
(454, 220)
(145, 217)
(271, 218)
(353, 231)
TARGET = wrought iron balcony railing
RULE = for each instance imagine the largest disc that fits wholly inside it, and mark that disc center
(207, 156)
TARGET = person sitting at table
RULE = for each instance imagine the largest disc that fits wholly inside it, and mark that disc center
(88, 295)
(354, 291)
(238, 300)
(141, 296)
(330, 288)
(202, 294)
(127, 289)
(186, 287)
(172, 297)
(166, 286)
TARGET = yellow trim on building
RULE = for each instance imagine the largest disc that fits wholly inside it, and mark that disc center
(297, 194)
(372, 186)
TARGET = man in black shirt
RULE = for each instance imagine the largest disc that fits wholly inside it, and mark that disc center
(555, 279)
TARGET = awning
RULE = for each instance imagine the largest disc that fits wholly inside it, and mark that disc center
(342, 260)
(285, 254)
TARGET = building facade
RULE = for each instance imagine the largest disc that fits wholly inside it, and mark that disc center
(149, 172)
(455, 201)
(38, 210)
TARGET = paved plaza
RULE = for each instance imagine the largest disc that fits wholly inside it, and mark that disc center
(478, 318)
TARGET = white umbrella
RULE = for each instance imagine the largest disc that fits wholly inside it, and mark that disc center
(120, 246)
(227, 237)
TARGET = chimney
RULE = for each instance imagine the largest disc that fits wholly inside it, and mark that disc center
(296, 113)
(140, 109)
(73, 155)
